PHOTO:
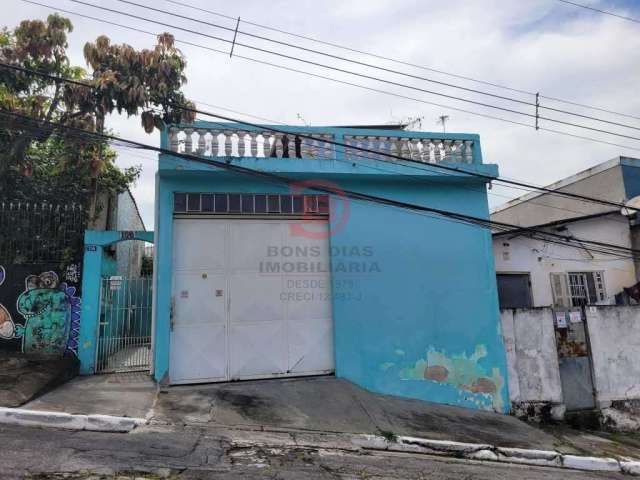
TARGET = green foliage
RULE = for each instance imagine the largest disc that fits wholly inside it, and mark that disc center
(146, 269)
(61, 174)
(37, 158)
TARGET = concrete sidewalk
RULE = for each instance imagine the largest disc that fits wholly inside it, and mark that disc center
(319, 404)
(323, 404)
(329, 404)
(120, 394)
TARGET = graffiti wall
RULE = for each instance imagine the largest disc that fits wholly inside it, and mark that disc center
(40, 308)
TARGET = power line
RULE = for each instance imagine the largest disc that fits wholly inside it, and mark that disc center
(601, 247)
(317, 52)
(377, 67)
(124, 143)
(401, 62)
(343, 82)
(430, 165)
(511, 99)
(608, 251)
(350, 72)
(485, 177)
(416, 178)
(593, 9)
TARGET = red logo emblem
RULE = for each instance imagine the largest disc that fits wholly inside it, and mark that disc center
(338, 210)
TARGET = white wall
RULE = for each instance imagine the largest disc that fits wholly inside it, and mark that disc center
(525, 255)
(614, 333)
(129, 254)
(532, 358)
(604, 181)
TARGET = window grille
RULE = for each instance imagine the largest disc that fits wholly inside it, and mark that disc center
(250, 204)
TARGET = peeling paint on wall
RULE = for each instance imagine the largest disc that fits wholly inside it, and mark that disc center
(462, 372)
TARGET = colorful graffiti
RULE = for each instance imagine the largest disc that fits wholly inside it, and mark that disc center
(51, 313)
(7, 327)
(462, 372)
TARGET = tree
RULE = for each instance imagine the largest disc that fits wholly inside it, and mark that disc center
(144, 82)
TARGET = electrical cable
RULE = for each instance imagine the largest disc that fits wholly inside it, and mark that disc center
(416, 178)
(350, 72)
(593, 9)
(227, 165)
(368, 65)
(400, 62)
(485, 177)
(364, 87)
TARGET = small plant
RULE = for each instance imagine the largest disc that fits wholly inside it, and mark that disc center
(389, 436)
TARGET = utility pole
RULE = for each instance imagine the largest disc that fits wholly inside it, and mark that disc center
(442, 120)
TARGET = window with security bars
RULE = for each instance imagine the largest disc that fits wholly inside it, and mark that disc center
(575, 289)
(250, 204)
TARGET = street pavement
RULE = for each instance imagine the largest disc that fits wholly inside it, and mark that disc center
(202, 453)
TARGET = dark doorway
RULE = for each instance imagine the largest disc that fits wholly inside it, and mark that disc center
(514, 290)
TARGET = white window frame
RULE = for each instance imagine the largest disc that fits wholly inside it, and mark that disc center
(571, 289)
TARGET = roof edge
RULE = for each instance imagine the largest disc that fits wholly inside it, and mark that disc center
(518, 231)
(576, 177)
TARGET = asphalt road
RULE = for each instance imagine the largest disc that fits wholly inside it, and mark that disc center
(178, 453)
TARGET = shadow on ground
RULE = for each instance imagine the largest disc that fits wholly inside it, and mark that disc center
(25, 377)
(334, 405)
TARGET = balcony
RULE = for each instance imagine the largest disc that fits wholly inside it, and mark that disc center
(211, 140)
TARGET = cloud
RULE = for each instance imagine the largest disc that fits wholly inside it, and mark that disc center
(537, 46)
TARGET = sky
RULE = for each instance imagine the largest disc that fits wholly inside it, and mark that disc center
(544, 46)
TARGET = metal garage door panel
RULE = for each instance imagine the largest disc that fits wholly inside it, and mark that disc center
(310, 346)
(313, 294)
(248, 331)
(255, 298)
(198, 354)
(198, 340)
(257, 335)
(257, 350)
(198, 347)
(198, 245)
(309, 320)
(250, 241)
(195, 300)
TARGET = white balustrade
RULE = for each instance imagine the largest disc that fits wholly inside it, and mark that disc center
(211, 142)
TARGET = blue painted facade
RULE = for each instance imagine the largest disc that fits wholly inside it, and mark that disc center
(422, 319)
(92, 274)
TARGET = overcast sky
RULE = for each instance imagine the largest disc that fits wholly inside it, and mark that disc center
(541, 46)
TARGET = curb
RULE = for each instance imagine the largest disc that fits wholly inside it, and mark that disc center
(95, 423)
(485, 452)
(404, 444)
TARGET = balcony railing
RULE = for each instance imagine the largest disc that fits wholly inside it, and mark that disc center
(232, 142)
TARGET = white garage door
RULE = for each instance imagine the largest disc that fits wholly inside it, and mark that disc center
(250, 300)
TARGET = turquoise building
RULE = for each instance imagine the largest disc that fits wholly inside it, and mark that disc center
(280, 273)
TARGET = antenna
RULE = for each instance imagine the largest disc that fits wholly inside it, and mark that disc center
(301, 118)
(442, 120)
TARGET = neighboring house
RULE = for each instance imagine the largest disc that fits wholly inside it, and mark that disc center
(255, 278)
(536, 273)
(120, 212)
